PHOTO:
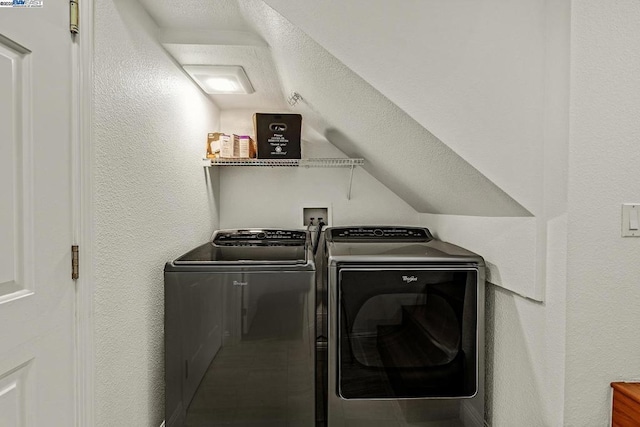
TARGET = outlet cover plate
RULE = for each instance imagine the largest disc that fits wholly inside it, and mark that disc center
(315, 212)
(630, 220)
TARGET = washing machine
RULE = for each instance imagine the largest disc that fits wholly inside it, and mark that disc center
(240, 331)
(405, 329)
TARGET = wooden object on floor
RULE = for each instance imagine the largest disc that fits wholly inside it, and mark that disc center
(626, 404)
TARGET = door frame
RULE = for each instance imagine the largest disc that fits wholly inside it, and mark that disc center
(83, 211)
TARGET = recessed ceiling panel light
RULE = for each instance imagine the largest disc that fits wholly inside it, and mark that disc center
(220, 79)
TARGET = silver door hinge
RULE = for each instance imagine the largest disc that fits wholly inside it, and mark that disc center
(73, 16)
(74, 262)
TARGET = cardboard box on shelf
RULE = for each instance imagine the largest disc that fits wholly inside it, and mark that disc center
(221, 145)
(246, 147)
(278, 135)
(213, 145)
(226, 146)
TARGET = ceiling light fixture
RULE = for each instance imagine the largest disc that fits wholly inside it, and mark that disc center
(220, 79)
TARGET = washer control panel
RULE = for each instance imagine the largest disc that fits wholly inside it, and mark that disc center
(379, 233)
(242, 237)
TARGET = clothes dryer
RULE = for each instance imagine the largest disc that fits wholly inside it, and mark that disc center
(406, 329)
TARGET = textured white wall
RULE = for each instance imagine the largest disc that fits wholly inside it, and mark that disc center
(151, 204)
(508, 246)
(525, 339)
(603, 291)
(274, 197)
(471, 72)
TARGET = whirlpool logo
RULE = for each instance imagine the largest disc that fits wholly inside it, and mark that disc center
(409, 279)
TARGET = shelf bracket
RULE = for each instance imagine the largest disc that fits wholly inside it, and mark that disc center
(350, 182)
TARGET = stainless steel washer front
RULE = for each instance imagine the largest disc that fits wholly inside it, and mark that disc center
(240, 331)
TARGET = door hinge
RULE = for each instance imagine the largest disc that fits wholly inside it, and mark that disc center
(73, 16)
(74, 262)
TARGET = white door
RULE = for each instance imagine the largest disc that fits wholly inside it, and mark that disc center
(37, 294)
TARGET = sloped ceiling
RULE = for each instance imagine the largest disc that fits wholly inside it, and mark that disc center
(280, 59)
(485, 77)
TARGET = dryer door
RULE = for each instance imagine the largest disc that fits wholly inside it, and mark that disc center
(407, 332)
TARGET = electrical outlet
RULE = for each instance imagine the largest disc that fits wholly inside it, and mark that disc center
(314, 214)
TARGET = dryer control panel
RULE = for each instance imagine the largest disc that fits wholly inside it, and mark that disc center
(379, 233)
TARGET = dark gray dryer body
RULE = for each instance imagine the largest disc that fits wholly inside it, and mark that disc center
(240, 330)
(406, 329)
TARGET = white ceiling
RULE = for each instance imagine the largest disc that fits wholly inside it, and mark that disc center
(206, 32)
(196, 14)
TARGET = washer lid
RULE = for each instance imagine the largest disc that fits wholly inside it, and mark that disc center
(250, 246)
(212, 254)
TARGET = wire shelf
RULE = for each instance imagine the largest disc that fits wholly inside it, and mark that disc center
(309, 163)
